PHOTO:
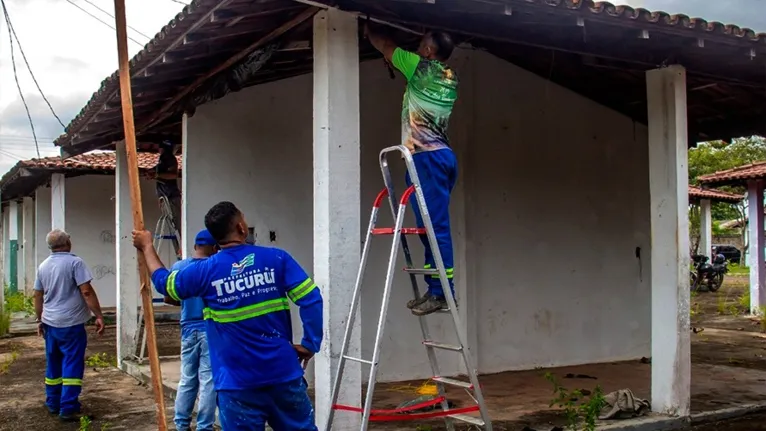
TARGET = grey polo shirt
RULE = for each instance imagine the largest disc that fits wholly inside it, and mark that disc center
(59, 278)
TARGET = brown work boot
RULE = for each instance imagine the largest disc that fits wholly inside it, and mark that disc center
(431, 305)
(412, 303)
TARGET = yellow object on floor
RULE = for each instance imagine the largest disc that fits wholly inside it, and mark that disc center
(428, 388)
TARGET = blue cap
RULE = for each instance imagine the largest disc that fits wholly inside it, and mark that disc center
(204, 238)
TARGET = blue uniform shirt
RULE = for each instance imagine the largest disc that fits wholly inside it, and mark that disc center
(191, 309)
(245, 290)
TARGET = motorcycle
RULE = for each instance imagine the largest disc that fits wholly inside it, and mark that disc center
(706, 274)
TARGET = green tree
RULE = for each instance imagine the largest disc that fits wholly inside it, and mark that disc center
(714, 156)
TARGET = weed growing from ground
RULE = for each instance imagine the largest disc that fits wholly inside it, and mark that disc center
(101, 360)
(696, 310)
(576, 409)
(84, 423)
(744, 302)
(5, 321)
(6, 365)
(17, 302)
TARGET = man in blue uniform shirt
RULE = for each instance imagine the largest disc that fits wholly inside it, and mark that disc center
(245, 288)
(196, 376)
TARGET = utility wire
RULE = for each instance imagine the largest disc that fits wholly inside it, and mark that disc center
(180, 2)
(100, 20)
(112, 16)
(16, 75)
(29, 68)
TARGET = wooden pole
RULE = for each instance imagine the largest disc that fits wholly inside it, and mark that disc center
(138, 213)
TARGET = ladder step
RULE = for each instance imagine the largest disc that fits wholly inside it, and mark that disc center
(422, 271)
(466, 418)
(405, 231)
(453, 382)
(443, 346)
(360, 360)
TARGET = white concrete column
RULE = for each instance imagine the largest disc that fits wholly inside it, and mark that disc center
(28, 245)
(128, 284)
(756, 250)
(42, 223)
(185, 225)
(706, 228)
(58, 201)
(336, 203)
(670, 260)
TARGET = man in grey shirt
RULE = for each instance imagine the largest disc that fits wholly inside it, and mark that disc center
(64, 300)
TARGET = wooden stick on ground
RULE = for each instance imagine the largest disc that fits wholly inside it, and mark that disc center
(138, 213)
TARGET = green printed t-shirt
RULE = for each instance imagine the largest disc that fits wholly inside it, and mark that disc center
(428, 101)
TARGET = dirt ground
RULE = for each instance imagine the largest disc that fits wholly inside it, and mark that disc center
(114, 400)
(728, 353)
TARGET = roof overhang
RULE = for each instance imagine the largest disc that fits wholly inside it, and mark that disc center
(596, 49)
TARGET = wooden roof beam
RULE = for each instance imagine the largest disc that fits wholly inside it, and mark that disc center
(162, 113)
(178, 41)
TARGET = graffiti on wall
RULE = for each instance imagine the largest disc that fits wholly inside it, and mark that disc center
(107, 237)
(101, 271)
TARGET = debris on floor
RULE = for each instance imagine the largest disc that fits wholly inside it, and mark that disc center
(623, 404)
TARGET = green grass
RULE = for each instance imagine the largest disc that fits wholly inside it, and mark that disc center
(6, 365)
(736, 269)
(17, 302)
(5, 322)
(101, 360)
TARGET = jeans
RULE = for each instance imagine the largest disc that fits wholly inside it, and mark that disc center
(285, 406)
(196, 375)
(437, 172)
(65, 358)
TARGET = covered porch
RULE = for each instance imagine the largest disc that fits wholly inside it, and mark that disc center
(752, 177)
(570, 214)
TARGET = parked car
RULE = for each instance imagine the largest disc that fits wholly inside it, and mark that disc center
(731, 253)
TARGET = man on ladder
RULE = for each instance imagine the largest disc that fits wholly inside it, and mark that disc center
(166, 173)
(428, 100)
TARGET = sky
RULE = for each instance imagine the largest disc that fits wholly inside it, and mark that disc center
(71, 52)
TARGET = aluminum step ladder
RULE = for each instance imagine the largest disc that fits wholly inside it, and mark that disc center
(399, 233)
(165, 230)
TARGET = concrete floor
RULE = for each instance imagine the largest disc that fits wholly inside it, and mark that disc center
(523, 398)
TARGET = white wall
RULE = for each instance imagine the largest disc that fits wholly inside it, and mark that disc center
(557, 201)
(90, 222)
(43, 223)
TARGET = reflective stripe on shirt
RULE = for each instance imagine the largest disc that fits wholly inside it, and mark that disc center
(301, 290)
(244, 313)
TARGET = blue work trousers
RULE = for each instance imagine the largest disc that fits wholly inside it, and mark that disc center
(65, 357)
(285, 406)
(437, 171)
(196, 378)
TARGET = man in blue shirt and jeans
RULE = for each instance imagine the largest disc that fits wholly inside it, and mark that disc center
(196, 374)
(247, 292)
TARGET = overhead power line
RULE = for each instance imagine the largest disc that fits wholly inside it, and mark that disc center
(112, 16)
(180, 2)
(29, 68)
(100, 20)
(16, 75)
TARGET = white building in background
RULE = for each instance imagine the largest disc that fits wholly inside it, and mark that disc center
(78, 195)
(570, 212)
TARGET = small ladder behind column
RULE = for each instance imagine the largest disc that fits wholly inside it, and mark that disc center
(398, 232)
(166, 230)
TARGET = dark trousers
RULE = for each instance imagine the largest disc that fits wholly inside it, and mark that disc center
(437, 171)
(285, 406)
